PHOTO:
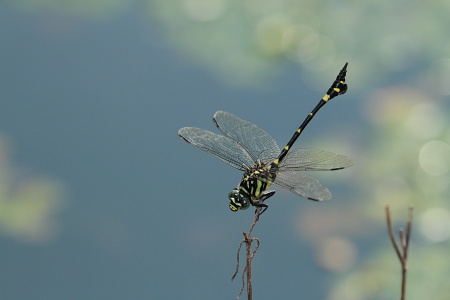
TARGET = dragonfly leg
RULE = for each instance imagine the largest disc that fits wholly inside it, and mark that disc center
(263, 197)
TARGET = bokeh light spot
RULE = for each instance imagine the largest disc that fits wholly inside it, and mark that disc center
(324, 56)
(270, 32)
(357, 286)
(204, 10)
(337, 254)
(391, 105)
(434, 158)
(301, 43)
(435, 224)
(431, 185)
(425, 121)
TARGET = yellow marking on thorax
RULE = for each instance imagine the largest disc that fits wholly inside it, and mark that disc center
(244, 189)
(258, 188)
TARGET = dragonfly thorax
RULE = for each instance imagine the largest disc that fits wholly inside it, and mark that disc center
(255, 181)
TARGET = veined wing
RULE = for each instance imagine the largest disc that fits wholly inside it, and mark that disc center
(259, 145)
(301, 159)
(218, 145)
(302, 185)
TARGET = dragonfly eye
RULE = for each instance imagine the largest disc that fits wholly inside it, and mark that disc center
(238, 201)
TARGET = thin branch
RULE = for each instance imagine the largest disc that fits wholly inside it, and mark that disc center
(391, 233)
(237, 261)
(408, 232)
(404, 242)
(247, 272)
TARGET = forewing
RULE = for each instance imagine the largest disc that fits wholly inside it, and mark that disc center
(313, 160)
(220, 146)
(302, 185)
(260, 146)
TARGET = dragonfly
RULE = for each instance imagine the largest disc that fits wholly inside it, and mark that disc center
(250, 149)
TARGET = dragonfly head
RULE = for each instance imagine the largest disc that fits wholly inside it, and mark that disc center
(238, 201)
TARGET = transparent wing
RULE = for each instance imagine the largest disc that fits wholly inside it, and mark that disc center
(313, 160)
(220, 146)
(302, 185)
(259, 144)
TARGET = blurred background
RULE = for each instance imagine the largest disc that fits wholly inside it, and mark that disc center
(100, 199)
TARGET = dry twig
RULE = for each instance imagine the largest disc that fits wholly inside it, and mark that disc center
(404, 242)
(249, 257)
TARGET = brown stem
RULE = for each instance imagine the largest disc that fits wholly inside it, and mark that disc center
(404, 242)
(249, 256)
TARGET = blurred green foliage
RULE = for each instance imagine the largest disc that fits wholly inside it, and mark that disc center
(407, 162)
(245, 41)
(29, 205)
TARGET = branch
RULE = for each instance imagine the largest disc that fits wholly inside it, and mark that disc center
(404, 242)
(249, 257)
